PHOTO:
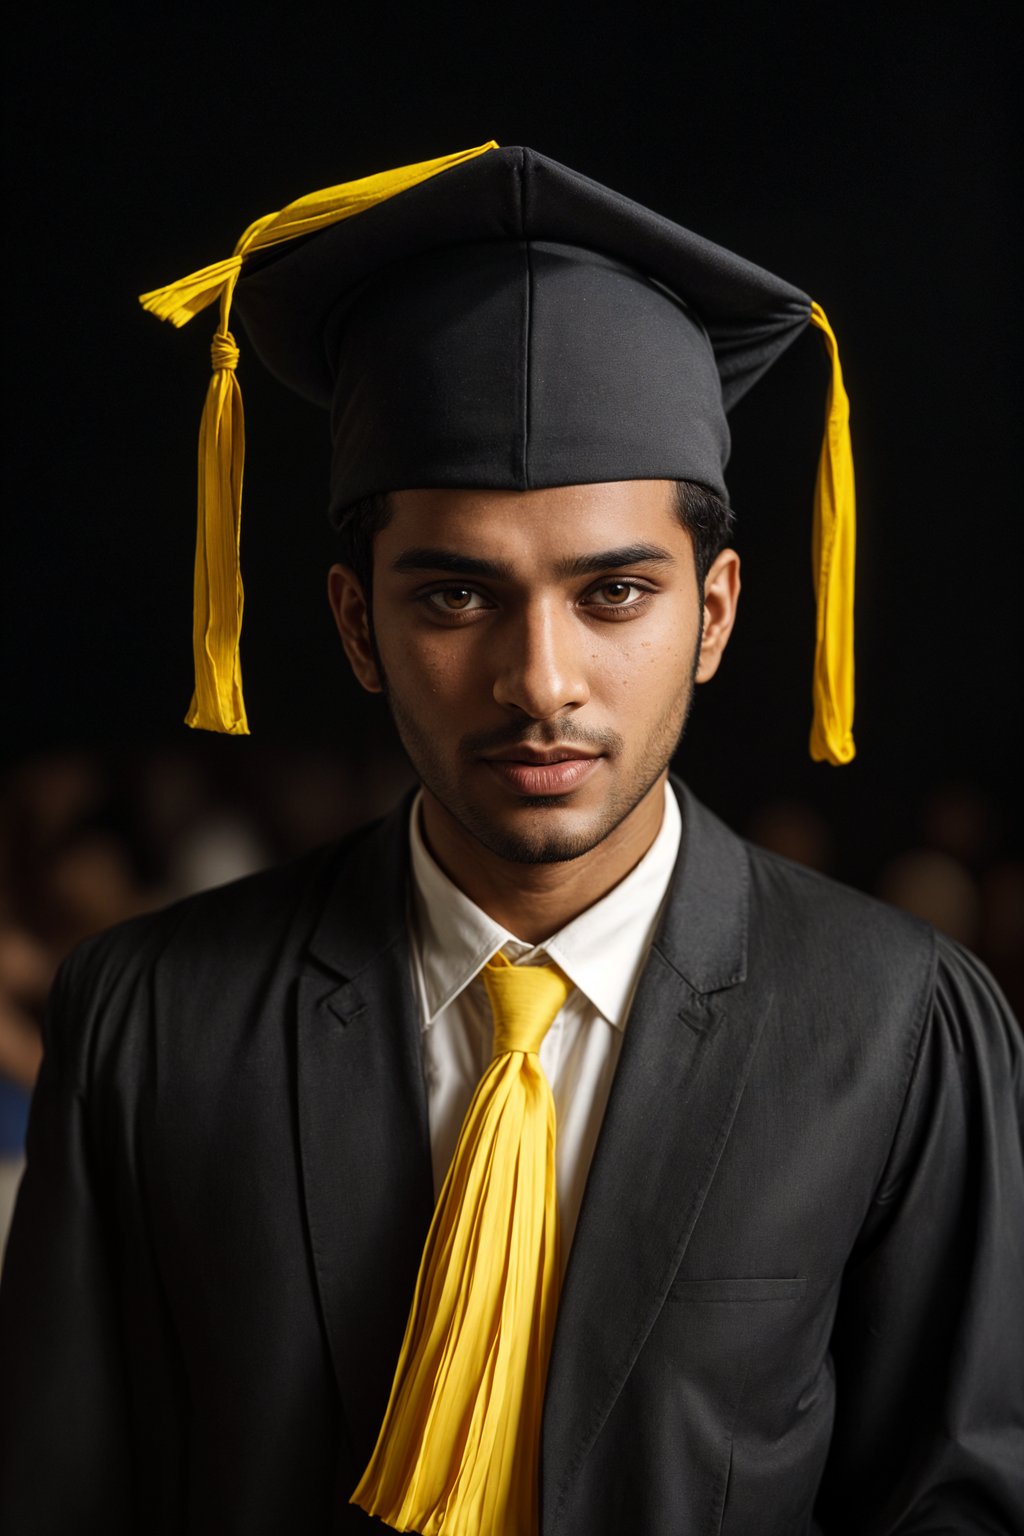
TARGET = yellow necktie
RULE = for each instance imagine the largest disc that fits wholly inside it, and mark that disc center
(459, 1448)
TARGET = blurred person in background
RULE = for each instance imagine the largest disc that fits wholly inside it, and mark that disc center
(541, 1157)
(88, 839)
(25, 977)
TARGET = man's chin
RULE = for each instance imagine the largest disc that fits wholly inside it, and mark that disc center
(540, 847)
(544, 829)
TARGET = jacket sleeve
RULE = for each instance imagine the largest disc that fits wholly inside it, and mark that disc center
(928, 1345)
(63, 1422)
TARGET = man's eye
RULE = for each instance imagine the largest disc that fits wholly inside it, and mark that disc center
(455, 600)
(618, 594)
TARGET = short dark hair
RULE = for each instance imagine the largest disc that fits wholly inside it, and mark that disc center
(705, 516)
(708, 520)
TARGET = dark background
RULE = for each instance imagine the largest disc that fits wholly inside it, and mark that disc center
(862, 152)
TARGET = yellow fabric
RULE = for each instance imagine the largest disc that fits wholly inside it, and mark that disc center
(458, 1452)
(217, 600)
(834, 543)
(217, 704)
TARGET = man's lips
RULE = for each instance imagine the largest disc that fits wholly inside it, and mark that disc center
(536, 755)
(554, 772)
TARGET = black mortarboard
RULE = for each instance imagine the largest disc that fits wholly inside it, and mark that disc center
(497, 320)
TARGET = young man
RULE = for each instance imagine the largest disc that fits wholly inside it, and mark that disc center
(543, 1158)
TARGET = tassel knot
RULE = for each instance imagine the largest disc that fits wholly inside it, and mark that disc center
(224, 352)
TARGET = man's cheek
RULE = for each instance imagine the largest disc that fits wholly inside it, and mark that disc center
(438, 671)
(645, 670)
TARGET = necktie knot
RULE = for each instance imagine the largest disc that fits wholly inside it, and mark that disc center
(524, 1000)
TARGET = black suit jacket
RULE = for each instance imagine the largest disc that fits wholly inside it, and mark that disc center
(794, 1299)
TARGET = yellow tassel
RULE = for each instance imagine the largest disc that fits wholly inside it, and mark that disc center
(217, 704)
(833, 551)
(181, 301)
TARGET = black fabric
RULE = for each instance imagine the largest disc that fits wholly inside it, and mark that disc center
(511, 324)
(792, 1304)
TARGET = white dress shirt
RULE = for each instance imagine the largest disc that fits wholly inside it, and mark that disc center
(602, 952)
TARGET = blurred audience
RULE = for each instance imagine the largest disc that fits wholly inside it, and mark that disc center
(953, 872)
(87, 839)
(797, 831)
(938, 888)
(957, 877)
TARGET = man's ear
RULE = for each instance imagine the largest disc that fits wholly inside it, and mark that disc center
(348, 604)
(721, 596)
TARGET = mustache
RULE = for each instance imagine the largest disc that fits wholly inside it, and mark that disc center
(542, 734)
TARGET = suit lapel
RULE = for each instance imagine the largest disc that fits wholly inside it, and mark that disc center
(365, 1150)
(691, 1036)
(363, 1122)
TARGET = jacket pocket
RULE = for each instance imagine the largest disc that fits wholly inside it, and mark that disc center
(736, 1290)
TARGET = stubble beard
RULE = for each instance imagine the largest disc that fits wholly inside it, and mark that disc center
(540, 844)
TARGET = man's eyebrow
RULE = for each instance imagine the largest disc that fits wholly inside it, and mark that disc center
(428, 558)
(608, 559)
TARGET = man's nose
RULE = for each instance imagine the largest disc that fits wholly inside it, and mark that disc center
(540, 661)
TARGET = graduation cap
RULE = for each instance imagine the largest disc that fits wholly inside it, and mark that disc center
(495, 320)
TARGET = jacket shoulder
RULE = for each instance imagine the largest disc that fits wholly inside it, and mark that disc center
(254, 902)
(205, 943)
(839, 940)
(807, 896)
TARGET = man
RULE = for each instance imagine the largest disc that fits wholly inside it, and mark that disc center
(749, 1260)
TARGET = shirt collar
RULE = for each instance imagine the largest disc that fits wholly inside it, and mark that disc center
(602, 951)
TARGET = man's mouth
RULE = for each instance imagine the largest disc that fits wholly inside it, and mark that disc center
(553, 771)
(536, 756)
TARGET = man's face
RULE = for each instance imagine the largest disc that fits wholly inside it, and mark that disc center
(538, 650)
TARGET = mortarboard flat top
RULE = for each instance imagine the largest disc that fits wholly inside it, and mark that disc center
(512, 324)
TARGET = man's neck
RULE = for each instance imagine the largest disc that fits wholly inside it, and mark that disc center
(534, 901)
